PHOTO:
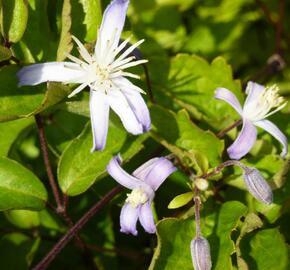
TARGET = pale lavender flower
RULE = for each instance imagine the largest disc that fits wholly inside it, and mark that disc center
(260, 103)
(257, 185)
(200, 253)
(103, 72)
(143, 182)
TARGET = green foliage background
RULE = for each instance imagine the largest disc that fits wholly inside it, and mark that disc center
(193, 47)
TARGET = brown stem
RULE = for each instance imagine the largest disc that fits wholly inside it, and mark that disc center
(45, 153)
(279, 27)
(148, 82)
(44, 263)
(266, 11)
(226, 130)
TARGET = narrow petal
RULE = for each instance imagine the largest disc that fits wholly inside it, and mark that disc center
(137, 104)
(159, 171)
(128, 219)
(112, 24)
(52, 71)
(121, 107)
(276, 133)
(121, 176)
(227, 96)
(253, 91)
(99, 111)
(146, 218)
(145, 168)
(244, 142)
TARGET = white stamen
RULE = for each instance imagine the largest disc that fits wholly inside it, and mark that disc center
(261, 107)
(137, 197)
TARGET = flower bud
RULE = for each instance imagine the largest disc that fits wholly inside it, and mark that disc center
(200, 253)
(201, 184)
(258, 186)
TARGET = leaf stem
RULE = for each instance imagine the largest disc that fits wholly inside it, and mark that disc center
(226, 130)
(45, 154)
(197, 212)
(44, 263)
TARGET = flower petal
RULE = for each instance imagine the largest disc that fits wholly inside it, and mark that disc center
(99, 111)
(200, 253)
(112, 24)
(136, 103)
(145, 168)
(227, 96)
(128, 219)
(275, 132)
(160, 170)
(120, 106)
(52, 71)
(253, 91)
(244, 142)
(121, 176)
(146, 218)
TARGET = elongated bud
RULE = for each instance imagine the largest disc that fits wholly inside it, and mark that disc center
(258, 186)
(200, 253)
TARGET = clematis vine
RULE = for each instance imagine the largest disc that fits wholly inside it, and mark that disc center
(260, 103)
(143, 182)
(104, 73)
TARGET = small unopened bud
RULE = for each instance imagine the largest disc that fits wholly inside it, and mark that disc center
(200, 253)
(201, 184)
(258, 186)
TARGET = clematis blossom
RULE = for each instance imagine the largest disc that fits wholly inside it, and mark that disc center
(143, 182)
(104, 73)
(260, 103)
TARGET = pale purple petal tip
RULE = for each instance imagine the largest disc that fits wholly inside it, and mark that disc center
(159, 171)
(227, 96)
(245, 141)
(128, 219)
(120, 175)
(52, 71)
(99, 113)
(253, 91)
(146, 218)
(276, 133)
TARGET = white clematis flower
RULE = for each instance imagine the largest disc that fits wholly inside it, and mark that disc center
(104, 72)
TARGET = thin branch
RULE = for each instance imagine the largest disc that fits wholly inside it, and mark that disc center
(148, 82)
(197, 212)
(266, 11)
(45, 153)
(44, 263)
(279, 27)
(226, 130)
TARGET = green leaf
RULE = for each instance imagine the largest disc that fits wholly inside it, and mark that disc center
(180, 200)
(19, 187)
(9, 131)
(79, 168)
(192, 82)
(194, 146)
(14, 19)
(228, 219)
(65, 44)
(269, 250)
(92, 19)
(24, 219)
(16, 102)
(5, 53)
(173, 249)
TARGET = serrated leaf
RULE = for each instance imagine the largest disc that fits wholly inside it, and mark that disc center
(192, 82)
(180, 200)
(228, 219)
(269, 250)
(194, 146)
(19, 187)
(14, 19)
(65, 43)
(79, 168)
